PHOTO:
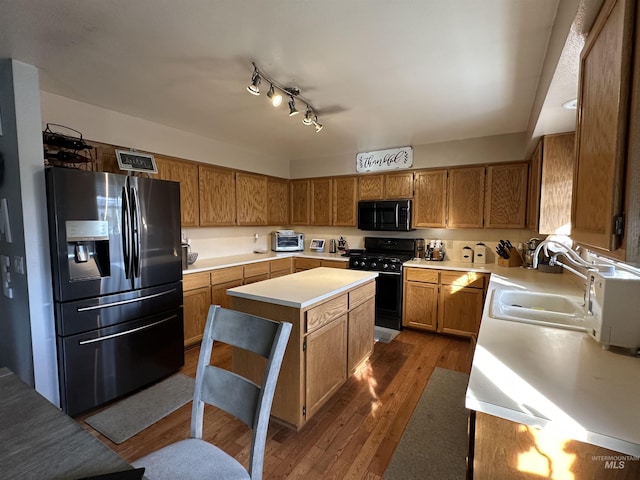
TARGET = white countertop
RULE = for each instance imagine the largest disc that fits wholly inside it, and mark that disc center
(231, 261)
(553, 378)
(303, 289)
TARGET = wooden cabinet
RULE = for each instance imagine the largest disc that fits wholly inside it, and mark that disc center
(321, 201)
(301, 263)
(360, 334)
(506, 195)
(533, 191)
(430, 199)
(443, 301)
(221, 280)
(345, 201)
(465, 187)
(280, 267)
(300, 202)
(251, 199)
(256, 272)
(196, 302)
(217, 196)
(186, 173)
(277, 201)
(602, 131)
(556, 185)
(385, 186)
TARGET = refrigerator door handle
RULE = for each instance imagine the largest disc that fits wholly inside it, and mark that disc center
(136, 237)
(124, 302)
(126, 332)
(126, 231)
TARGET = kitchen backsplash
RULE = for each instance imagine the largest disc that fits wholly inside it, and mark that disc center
(227, 241)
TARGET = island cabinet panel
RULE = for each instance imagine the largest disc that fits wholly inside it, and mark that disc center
(321, 201)
(430, 199)
(217, 196)
(326, 359)
(506, 196)
(300, 202)
(251, 199)
(360, 334)
(277, 201)
(326, 312)
(465, 188)
(186, 173)
(345, 201)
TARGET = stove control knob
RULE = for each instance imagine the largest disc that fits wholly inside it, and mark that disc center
(392, 267)
(374, 264)
(386, 266)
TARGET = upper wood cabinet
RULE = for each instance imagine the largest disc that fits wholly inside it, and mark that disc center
(277, 201)
(345, 201)
(385, 186)
(251, 199)
(300, 200)
(465, 187)
(602, 130)
(430, 199)
(556, 187)
(186, 173)
(533, 192)
(321, 201)
(217, 196)
(506, 195)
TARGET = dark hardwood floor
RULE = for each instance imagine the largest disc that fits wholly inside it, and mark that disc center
(355, 433)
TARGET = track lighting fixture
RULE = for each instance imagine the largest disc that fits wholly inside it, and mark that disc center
(276, 93)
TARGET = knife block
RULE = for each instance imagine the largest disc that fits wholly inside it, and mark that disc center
(514, 259)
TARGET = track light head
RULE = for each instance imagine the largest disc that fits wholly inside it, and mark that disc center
(307, 120)
(254, 87)
(292, 107)
(275, 97)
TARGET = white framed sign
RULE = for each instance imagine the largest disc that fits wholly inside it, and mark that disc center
(391, 159)
(133, 161)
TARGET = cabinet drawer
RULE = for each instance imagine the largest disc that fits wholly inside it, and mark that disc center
(195, 280)
(326, 312)
(361, 294)
(334, 263)
(462, 279)
(255, 278)
(280, 264)
(258, 268)
(306, 263)
(421, 275)
(224, 275)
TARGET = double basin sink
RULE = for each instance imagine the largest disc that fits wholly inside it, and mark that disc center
(545, 309)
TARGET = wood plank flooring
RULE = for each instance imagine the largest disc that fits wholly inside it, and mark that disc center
(353, 436)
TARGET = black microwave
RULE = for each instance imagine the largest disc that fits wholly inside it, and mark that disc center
(387, 215)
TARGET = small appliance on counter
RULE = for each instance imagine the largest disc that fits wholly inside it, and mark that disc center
(332, 246)
(342, 244)
(317, 245)
(287, 241)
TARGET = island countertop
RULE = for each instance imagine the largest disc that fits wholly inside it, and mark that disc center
(302, 289)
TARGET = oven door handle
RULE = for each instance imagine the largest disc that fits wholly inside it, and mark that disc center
(389, 273)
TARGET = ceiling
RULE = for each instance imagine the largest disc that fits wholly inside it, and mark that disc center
(381, 73)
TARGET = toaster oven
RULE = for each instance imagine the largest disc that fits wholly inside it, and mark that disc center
(287, 241)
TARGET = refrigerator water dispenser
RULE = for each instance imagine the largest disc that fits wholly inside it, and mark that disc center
(88, 249)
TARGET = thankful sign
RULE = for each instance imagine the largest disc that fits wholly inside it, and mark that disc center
(392, 159)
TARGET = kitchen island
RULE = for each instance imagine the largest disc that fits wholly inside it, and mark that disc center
(332, 312)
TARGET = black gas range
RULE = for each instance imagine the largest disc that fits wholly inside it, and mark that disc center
(386, 256)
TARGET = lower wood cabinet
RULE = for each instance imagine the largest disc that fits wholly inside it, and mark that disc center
(444, 301)
(301, 263)
(196, 302)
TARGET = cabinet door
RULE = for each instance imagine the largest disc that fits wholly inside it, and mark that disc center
(371, 187)
(420, 305)
(251, 199)
(219, 293)
(398, 185)
(459, 310)
(186, 173)
(506, 196)
(217, 196)
(196, 305)
(430, 199)
(345, 201)
(326, 363)
(360, 333)
(558, 163)
(321, 201)
(300, 202)
(533, 195)
(465, 189)
(277, 201)
(603, 100)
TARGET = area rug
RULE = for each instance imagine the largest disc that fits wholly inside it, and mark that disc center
(384, 335)
(434, 444)
(130, 416)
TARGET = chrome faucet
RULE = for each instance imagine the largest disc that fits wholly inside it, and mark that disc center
(571, 255)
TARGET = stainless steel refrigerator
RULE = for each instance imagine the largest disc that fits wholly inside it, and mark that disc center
(117, 283)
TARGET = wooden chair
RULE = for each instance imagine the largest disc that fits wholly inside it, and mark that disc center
(251, 403)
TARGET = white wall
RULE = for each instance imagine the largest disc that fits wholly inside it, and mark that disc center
(102, 125)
